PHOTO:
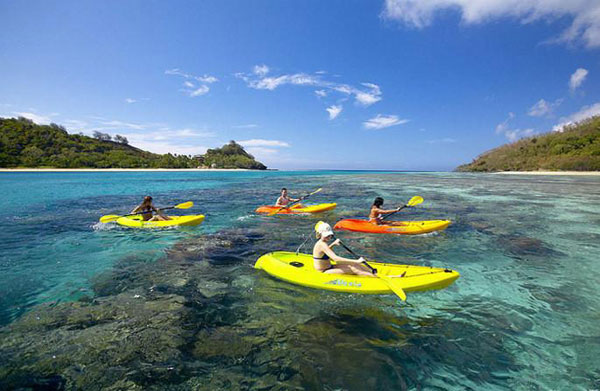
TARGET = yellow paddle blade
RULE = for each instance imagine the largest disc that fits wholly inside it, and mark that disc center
(416, 200)
(393, 286)
(108, 218)
(184, 205)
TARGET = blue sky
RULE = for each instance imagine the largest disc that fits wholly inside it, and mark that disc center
(397, 84)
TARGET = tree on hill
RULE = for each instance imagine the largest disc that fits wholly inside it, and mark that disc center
(102, 136)
(121, 139)
(576, 148)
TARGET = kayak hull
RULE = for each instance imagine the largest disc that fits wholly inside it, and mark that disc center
(298, 269)
(297, 209)
(176, 221)
(410, 227)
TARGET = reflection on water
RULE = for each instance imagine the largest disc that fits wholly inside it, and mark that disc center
(184, 309)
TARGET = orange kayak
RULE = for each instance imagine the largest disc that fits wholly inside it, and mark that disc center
(296, 209)
(408, 227)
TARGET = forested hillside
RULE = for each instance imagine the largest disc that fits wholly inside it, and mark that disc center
(576, 148)
(26, 144)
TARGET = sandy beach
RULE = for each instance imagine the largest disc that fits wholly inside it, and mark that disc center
(571, 173)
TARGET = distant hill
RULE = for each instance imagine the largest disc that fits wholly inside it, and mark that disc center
(231, 155)
(576, 148)
(26, 144)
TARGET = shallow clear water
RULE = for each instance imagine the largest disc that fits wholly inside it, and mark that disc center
(523, 315)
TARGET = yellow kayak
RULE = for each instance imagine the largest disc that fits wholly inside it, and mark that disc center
(298, 269)
(176, 221)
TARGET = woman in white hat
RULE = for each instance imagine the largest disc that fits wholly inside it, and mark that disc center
(322, 254)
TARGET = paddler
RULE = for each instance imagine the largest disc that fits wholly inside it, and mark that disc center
(376, 212)
(284, 199)
(146, 208)
(323, 254)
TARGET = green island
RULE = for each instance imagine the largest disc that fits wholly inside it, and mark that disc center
(575, 148)
(26, 144)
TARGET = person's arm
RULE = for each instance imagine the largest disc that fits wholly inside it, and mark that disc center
(278, 202)
(332, 255)
(136, 209)
(384, 211)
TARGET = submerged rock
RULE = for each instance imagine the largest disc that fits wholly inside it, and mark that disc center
(527, 247)
(201, 319)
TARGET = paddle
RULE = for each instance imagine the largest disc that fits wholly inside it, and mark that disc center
(387, 280)
(416, 200)
(109, 218)
(295, 202)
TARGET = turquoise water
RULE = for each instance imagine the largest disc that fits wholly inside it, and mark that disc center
(524, 314)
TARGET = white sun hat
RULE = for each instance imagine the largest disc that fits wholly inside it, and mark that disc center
(323, 229)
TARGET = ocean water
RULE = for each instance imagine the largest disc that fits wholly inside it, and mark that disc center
(85, 305)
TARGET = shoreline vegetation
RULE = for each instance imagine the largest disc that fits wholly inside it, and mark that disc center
(50, 169)
(574, 148)
(24, 144)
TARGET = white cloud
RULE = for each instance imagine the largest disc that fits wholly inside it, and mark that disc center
(515, 134)
(383, 121)
(446, 140)
(189, 87)
(37, 118)
(160, 146)
(334, 111)
(207, 79)
(203, 79)
(130, 100)
(199, 91)
(321, 93)
(115, 124)
(75, 123)
(583, 113)
(503, 126)
(270, 83)
(577, 78)
(163, 139)
(368, 98)
(261, 70)
(261, 152)
(263, 143)
(543, 108)
(512, 134)
(245, 126)
(584, 14)
(366, 95)
(187, 132)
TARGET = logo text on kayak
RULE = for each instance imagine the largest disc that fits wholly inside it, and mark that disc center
(344, 283)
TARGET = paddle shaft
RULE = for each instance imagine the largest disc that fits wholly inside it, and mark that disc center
(396, 289)
(416, 200)
(385, 216)
(373, 270)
